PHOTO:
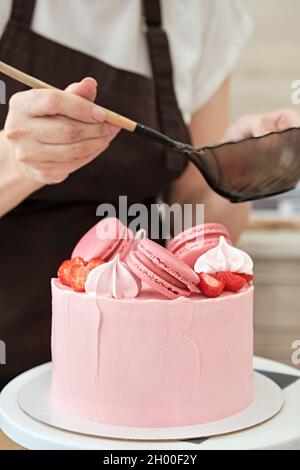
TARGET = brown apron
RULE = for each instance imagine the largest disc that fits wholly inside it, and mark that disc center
(37, 235)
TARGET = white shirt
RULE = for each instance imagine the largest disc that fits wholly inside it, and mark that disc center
(205, 36)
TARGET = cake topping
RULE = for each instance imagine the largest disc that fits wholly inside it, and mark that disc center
(105, 240)
(232, 282)
(224, 257)
(228, 266)
(112, 279)
(78, 276)
(160, 269)
(210, 286)
(73, 272)
(64, 270)
(248, 277)
(94, 262)
(196, 241)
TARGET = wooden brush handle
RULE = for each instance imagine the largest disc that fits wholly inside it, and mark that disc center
(32, 82)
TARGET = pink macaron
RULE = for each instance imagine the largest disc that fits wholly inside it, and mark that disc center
(194, 242)
(160, 269)
(105, 240)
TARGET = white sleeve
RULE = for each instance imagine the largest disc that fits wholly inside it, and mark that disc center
(226, 29)
(5, 8)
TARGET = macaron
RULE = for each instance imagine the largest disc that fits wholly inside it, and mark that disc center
(105, 240)
(161, 270)
(194, 242)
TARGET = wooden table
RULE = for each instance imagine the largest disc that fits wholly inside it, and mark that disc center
(7, 444)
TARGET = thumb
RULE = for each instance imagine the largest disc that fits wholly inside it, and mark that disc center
(87, 88)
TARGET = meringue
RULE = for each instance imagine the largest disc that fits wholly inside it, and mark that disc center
(224, 257)
(112, 280)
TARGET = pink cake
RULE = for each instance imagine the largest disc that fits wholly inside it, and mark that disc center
(128, 355)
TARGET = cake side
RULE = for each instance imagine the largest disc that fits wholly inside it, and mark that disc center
(151, 361)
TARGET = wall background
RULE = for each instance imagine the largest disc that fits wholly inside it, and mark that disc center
(262, 82)
(271, 60)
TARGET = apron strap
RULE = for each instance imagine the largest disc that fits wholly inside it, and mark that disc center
(152, 11)
(22, 12)
(170, 117)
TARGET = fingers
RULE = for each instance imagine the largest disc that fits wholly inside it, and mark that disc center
(49, 173)
(87, 88)
(54, 133)
(260, 124)
(285, 118)
(60, 130)
(47, 153)
(254, 125)
(56, 102)
(277, 121)
(240, 129)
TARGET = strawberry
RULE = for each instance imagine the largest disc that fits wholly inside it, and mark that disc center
(233, 282)
(210, 286)
(78, 276)
(78, 260)
(248, 277)
(94, 262)
(63, 272)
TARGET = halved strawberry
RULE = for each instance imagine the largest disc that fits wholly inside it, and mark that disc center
(63, 272)
(233, 282)
(94, 262)
(78, 276)
(210, 286)
(78, 260)
(248, 277)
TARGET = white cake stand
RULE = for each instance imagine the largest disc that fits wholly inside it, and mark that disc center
(34, 399)
(34, 434)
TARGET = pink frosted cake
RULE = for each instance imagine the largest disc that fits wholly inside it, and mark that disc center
(151, 341)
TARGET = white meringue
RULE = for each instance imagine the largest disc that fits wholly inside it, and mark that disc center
(224, 257)
(112, 279)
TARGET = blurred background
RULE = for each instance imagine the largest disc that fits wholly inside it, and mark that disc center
(262, 82)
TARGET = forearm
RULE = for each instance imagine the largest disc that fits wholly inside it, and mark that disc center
(15, 186)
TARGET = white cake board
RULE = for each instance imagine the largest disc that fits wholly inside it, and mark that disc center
(33, 398)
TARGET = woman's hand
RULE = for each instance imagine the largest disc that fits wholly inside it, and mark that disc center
(52, 133)
(260, 124)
